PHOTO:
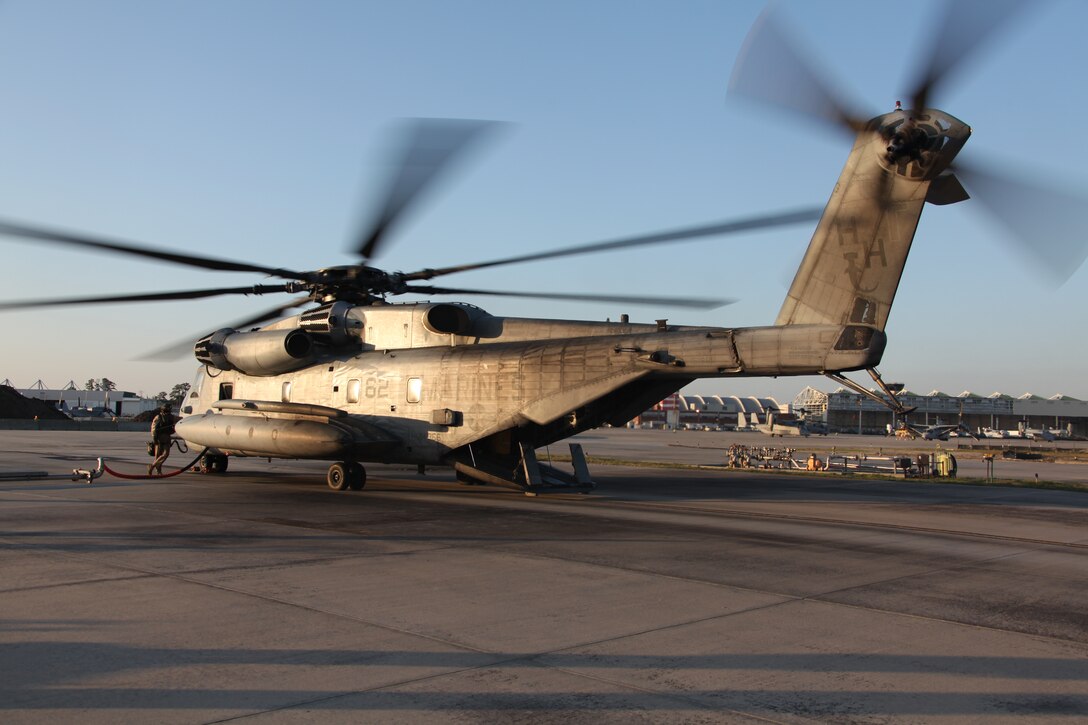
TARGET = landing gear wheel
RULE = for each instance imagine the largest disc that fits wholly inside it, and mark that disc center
(356, 476)
(213, 463)
(337, 477)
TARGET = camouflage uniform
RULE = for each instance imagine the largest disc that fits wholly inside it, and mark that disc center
(162, 431)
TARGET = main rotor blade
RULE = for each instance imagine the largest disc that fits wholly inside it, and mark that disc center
(966, 25)
(429, 147)
(1046, 223)
(701, 303)
(774, 69)
(16, 229)
(184, 347)
(731, 227)
(147, 296)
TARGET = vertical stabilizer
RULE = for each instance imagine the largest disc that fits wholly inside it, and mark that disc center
(855, 259)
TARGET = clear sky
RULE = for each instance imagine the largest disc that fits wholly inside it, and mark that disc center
(254, 129)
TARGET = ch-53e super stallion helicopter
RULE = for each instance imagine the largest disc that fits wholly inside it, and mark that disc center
(358, 379)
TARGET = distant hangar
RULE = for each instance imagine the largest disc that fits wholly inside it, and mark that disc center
(848, 412)
(845, 410)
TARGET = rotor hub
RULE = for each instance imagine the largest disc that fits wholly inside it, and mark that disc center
(919, 144)
(357, 283)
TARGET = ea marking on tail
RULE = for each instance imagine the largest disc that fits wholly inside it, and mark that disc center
(855, 271)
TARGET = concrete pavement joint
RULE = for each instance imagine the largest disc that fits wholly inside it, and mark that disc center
(793, 598)
(643, 506)
(253, 595)
(665, 694)
(75, 583)
(532, 659)
(737, 513)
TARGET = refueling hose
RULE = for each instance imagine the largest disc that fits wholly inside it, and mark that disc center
(143, 477)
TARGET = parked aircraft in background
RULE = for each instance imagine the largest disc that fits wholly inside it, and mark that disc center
(932, 432)
(778, 426)
(1034, 434)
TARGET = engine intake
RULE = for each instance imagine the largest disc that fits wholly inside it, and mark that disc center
(448, 319)
(262, 353)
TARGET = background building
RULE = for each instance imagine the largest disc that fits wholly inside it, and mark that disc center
(83, 403)
(722, 411)
(844, 411)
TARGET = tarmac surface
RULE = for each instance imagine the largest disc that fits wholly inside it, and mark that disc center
(664, 596)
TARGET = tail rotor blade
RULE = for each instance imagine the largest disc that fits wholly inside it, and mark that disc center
(772, 68)
(1045, 222)
(966, 26)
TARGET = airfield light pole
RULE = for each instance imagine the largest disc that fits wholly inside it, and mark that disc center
(860, 403)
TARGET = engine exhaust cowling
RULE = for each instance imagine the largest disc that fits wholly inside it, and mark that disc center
(329, 321)
(448, 319)
(261, 353)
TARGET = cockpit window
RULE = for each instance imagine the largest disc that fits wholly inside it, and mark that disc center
(198, 382)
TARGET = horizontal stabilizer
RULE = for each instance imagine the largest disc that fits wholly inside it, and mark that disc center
(946, 189)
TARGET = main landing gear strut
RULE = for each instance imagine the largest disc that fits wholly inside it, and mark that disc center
(348, 474)
(891, 402)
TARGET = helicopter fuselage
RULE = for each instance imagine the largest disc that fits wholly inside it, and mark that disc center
(448, 383)
(427, 393)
